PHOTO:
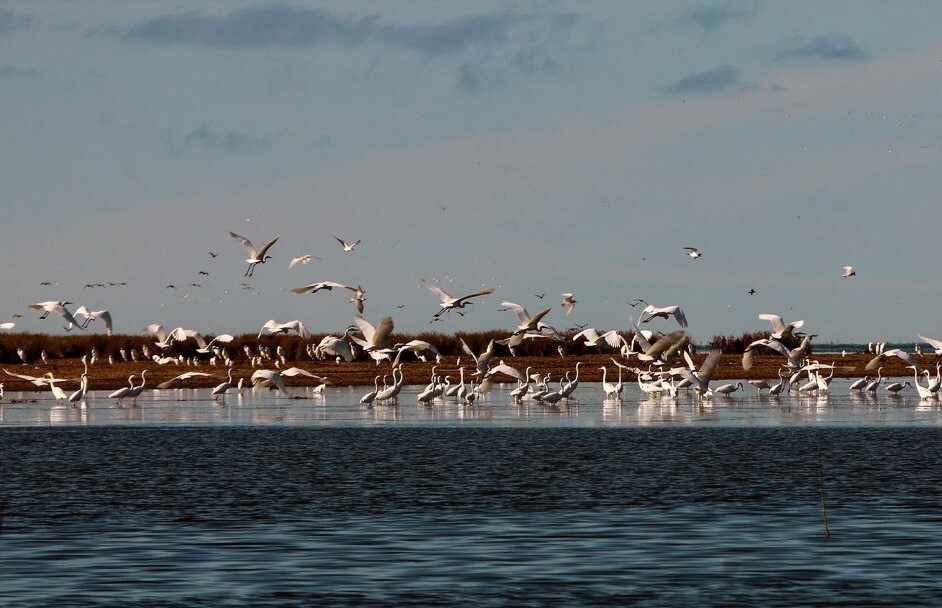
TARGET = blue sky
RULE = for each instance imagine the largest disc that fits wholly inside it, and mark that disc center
(530, 147)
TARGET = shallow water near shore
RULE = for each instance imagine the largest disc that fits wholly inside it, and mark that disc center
(272, 501)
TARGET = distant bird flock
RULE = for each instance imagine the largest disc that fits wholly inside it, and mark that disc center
(661, 362)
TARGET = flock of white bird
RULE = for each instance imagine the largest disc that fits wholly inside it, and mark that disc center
(665, 365)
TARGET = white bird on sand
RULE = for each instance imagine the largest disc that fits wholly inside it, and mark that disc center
(848, 272)
(93, 315)
(451, 303)
(568, 302)
(7, 325)
(273, 327)
(57, 307)
(693, 252)
(347, 246)
(301, 259)
(255, 256)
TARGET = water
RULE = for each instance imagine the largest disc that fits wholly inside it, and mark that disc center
(298, 502)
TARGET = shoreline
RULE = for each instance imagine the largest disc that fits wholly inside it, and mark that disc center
(107, 376)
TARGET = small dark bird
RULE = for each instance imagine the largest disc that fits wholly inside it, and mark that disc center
(751, 292)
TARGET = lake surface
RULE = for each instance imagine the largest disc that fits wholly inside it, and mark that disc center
(272, 501)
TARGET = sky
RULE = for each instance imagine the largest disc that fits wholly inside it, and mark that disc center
(534, 148)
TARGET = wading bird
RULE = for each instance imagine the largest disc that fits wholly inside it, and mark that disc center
(255, 256)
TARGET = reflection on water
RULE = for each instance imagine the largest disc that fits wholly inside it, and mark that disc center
(341, 407)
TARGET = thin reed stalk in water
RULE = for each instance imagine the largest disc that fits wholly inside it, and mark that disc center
(824, 507)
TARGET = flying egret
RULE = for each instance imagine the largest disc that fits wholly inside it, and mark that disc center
(255, 256)
(93, 315)
(57, 307)
(780, 329)
(273, 328)
(375, 339)
(449, 302)
(301, 259)
(663, 312)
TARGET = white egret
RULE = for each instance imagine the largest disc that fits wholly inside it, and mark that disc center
(256, 257)
(369, 397)
(122, 392)
(449, 302)
(302, 259)
(221, 389)
(663, 312)
(57, 307)
(93, 315)
(272, 328)
(57, 392)
(780, 329)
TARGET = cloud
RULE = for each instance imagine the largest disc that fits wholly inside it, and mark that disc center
(712, 81)
(285, 26)
(826, 48)
(503, 44)
(229, 141)
(10, 22)
(9, 71)
(709, 19)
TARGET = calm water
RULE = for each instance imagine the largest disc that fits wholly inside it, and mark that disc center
(274, 501)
